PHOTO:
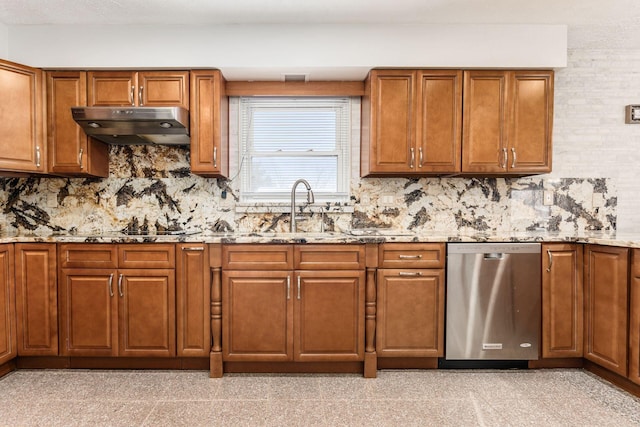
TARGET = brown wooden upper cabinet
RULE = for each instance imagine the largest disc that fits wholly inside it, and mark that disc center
(71, 151)
(22, 140)
(411, 121)
(508, 120)
(209, 120)
(448, 122)
(138, 88)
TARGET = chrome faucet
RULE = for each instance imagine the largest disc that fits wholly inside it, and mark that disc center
(310, 199)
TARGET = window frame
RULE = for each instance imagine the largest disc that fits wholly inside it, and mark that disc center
(343, 150)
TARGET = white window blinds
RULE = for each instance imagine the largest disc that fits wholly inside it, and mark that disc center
(284, 139)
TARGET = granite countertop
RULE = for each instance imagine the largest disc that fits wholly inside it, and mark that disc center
(356, 236)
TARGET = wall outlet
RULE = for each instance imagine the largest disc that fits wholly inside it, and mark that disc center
(547, 198)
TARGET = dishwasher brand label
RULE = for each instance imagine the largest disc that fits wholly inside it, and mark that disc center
(492, 346)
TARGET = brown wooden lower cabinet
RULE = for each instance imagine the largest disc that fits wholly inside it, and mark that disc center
(562, 300)
(282, 314)
(410, 313)
(128, 311)
(7, 305)
(193, 300)
(634, 319)
(118, 312)
(606, 306)
(257, 316)
(329, 316)
(36, 299)
(278, 316)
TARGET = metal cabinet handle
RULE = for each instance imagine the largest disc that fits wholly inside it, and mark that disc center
(298, 287)
(38, 156)
(550, 260)
(132, 96)
(80, 158)
(410, 273)
(215, 157)
(111, 285)
(401, 256)
(140, 96)
(288, 287)
(503, 164)
(421, 157)
(413, 157)
(514, 158)
(196, 249)
(120, 285)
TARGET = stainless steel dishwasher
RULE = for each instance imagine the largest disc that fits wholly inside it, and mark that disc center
(493, 301)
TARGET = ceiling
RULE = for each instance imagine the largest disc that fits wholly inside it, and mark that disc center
(199, 12)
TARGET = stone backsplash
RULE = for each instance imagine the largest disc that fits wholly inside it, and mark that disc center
(150, 188)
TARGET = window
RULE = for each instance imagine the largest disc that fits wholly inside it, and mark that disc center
(284, 139)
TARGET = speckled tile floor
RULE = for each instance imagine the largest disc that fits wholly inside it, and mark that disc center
(395, 398)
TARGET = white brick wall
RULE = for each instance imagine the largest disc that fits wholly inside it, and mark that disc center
(590, 138)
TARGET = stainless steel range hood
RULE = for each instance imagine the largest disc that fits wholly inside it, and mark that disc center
(135, 125)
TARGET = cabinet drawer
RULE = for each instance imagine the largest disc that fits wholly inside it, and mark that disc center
(411, 255)
(153, 255)
(635, 262)
(257, 257)
(329, 257)
(92, 255)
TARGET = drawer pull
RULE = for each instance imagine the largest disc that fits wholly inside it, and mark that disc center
(410, 256)
(410, 273)
(199, 248)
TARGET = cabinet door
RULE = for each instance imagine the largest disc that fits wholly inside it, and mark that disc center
(88, 312)
(606, 302)
(410, 313)
(36, 299)
(530, 122)
(329, 316)
(209, 118)
(484, 145)
(163, 89)
(634, 319)
(111, 88)
(193, 300)
(257, 316)
(388, 129)
(71, 151)
(439, 121)
(147, 315)
(7, 305)
(22, 140)
(562, 300)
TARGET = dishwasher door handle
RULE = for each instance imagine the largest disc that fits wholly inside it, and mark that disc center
(495, 255)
